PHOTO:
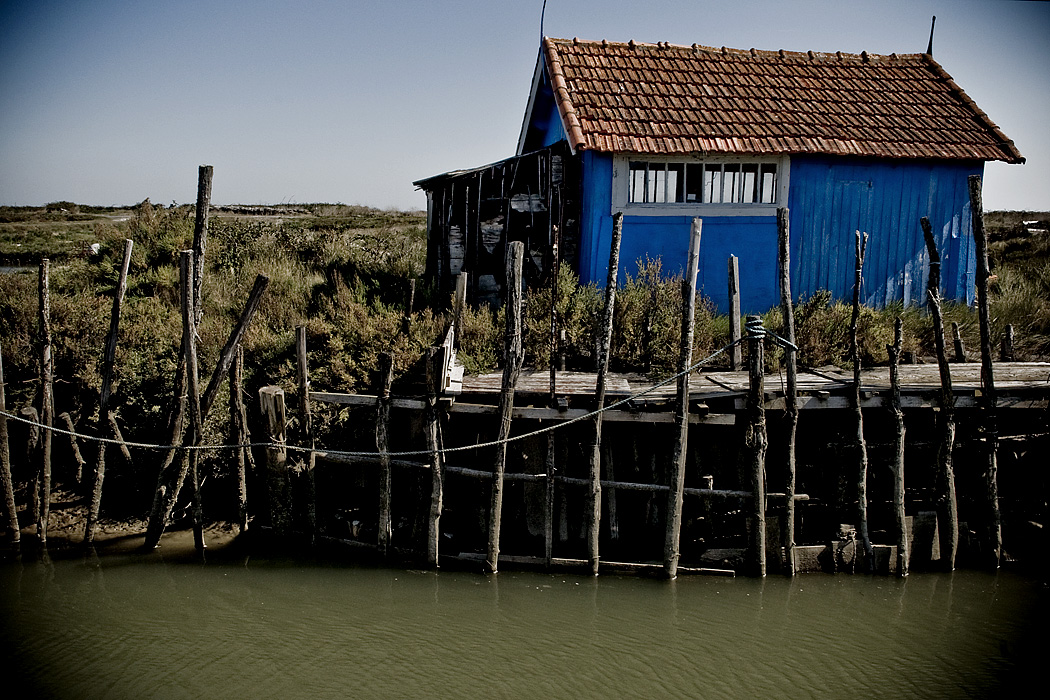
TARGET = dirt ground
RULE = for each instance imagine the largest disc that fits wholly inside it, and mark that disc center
(68, 515)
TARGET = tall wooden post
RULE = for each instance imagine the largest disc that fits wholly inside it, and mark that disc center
(755, 443)
(511, 369)
(386, 377)
(47, 399)
(552, 402)
(989, 400)
(949, 532)
(189, 341)
(108, 367)
(306, 424)
(791, 388)
(239, 424)
(862, 448)
(14, 534)
(672, 535)
(200, 238)
(271, 406)
(736, 354)
(898, 444)
(435, 360)
(594, 494)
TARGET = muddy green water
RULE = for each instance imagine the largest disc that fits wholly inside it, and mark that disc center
(129, 626)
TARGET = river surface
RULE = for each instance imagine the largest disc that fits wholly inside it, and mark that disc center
(136, 626)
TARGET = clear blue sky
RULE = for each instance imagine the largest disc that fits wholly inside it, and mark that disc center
(110, 102)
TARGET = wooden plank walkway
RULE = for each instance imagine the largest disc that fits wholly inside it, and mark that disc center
(1017, 383)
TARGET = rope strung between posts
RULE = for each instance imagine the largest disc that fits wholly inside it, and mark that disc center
(754, 330)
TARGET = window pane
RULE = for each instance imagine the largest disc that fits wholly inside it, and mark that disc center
(731, 183)
(676, 182)
(658, 178)
(749, 176)
(769, 183)
(694, 182)
(712, 183)
(637, 182)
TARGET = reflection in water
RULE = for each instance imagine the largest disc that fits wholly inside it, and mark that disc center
(125, 626)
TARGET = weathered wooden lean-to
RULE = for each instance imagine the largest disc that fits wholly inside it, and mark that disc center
(666, 133)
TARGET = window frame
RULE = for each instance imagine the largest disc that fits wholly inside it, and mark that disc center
(622, 180)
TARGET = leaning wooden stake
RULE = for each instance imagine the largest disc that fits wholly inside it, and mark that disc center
(74, 444)
(386, 377)
(13, 531)
(949, 532)
(791, 388)
(169, 481)
(676, 480)
(991, 428)
(108, 369)
(594, 494)
(435, 360)
(898, 451)
(755, 442)
(511, 369)
(736, 354)
(47, 399)
(862, 448)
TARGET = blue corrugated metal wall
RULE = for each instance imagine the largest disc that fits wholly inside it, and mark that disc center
(831, 198)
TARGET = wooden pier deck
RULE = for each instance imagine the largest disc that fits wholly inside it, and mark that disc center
(715, 397)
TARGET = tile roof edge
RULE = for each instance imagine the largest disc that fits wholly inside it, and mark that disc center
(571, 122)
(862, 57)
(1012, 152)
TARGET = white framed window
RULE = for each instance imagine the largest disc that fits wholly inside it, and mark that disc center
(723, 185)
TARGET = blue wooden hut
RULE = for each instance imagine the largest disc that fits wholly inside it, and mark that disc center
(666, 133)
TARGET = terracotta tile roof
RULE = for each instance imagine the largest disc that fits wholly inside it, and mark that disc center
(666, 99)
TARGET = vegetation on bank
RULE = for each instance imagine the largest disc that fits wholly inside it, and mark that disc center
(344, 273)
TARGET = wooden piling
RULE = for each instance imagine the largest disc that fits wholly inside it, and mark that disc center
(13, 530)
(47, 400)
(791, 387)
(676, 480)
(736, 354)
(594, 494)
(755, 443)
(556, 359)
(32, 452)
(960, 349)
(200, 238)
(949, 532)
(239, 430)
(108, 370)
(386, 377)
(994, 538)
(189, 339)
(435, 367)
(861, 243)
(306, 428)
(271, 406)
(894, 352)
(511, 369)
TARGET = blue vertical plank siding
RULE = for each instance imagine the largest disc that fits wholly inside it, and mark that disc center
(832, 198)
